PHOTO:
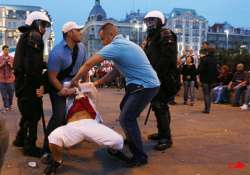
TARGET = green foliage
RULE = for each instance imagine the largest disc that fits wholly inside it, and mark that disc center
(233, 57)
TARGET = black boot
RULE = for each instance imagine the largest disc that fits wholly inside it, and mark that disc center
(33, 152)
(19, 140)
(154, 136)
(30, 148)
(163, 144)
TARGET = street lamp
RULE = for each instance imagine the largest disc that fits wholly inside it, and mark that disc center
(227, 33)
(137, 27)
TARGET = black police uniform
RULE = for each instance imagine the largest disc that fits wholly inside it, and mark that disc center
(28, 67)
(161, 50)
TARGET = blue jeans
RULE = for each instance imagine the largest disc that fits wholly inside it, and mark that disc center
(58, 115)
(206, 88)
(238, 93)
(221, 94)
(132, 104)
(7, 92)
(247, 96)
(189, 91)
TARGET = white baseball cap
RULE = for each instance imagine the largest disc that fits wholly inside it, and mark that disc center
(70, 26)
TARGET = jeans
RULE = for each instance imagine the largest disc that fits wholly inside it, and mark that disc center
(247, 96)
(220, 94)
(206, 88)
(58, 115)
(132, 104)
(189, 90)
(238, 92)
(7, 92)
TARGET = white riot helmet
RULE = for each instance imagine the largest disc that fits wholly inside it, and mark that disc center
(156, 14)
(37, 16)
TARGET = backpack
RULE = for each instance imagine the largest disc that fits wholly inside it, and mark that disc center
(48, 87)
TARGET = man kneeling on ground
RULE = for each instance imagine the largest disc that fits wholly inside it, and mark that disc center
(83, 123)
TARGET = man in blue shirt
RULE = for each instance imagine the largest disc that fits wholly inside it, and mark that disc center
(68, 53)
(141, 84)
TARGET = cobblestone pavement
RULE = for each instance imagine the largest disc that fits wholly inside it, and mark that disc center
(214, 144)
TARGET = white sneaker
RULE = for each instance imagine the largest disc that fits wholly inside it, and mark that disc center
(244, 107)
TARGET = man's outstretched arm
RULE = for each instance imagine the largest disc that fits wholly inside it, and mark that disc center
(93, 60)
(108, 77)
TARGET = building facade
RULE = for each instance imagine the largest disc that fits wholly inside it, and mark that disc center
(190, 28)
(13, 16)
(224, 36)
(131, 27)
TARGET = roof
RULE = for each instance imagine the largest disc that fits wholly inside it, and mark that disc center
(97, 12)
(181, 11)
(21, 7)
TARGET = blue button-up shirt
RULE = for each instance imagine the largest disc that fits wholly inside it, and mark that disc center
(61, 57)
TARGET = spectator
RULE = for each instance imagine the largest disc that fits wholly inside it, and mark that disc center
(188, 78)
(238, 84)
(247, 95)
(195, 59)
(7, 78)
(220, 92)
(208, 75)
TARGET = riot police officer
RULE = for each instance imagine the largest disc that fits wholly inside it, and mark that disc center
(28, 67)
(161, 49)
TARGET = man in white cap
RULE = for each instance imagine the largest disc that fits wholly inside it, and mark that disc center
(64, 62)
(28, 68)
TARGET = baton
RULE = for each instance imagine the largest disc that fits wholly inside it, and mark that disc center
(149, 110)
(43, 120)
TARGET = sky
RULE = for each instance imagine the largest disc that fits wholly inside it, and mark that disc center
(236, 12)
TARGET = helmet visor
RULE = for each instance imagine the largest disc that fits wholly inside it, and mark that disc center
(45, 24)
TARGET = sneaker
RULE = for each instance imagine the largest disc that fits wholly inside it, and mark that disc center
(52, 167)
(117, 154)
(132, 163)
(154, 136)
(244, 107)
(163, 144)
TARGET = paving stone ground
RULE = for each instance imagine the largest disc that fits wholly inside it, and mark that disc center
(203, 144)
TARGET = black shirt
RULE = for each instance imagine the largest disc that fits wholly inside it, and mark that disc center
(189, 72)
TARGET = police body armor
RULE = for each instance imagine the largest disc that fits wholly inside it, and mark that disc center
(161, 50)
(28, 64)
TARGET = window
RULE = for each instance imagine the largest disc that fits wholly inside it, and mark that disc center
(187, 40)
(196, 32)
(196, 25)
(195, 40)
(178, 24)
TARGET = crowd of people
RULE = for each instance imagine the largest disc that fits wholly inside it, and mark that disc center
(226, 85)
(151, 74)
